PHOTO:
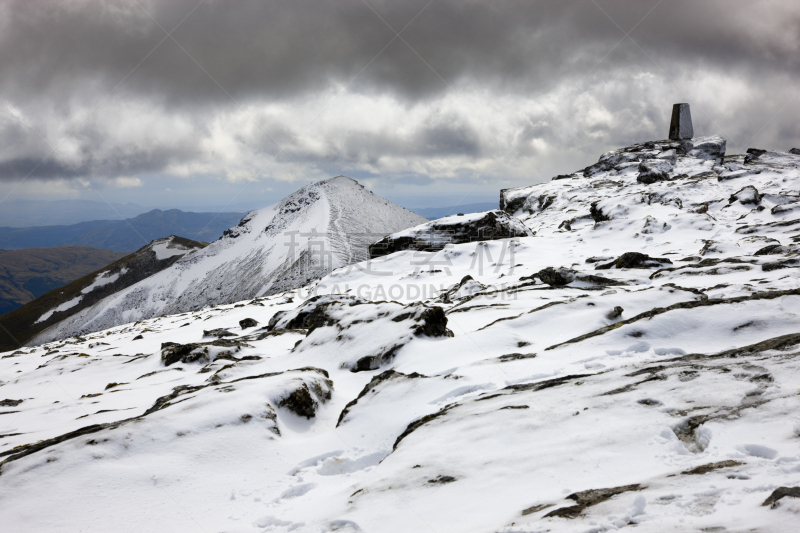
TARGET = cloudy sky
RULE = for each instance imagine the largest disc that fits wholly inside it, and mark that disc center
(428, 103)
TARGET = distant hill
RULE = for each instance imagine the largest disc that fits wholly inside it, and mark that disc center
(122, 235)
(28, 274)
(435, 213)
(26, 213)
(21, 324)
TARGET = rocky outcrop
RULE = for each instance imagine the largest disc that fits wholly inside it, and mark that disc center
(455, 229)
(248, 323)
(635, 260)
(746, 195)
(653, 170)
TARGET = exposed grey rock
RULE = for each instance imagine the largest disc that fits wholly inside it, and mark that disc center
(653, 170)
(681, 125)
(795, 151)
(219, 332)
(248, 323)
(746, 195)
(705, 469)
(553, 277)
(435, 235)
(781, 492)
(753, 154)
(777, 249)
(558, 277)
(467, 281)
(706, 148)
(511, 205)
(441, 480)
(597, 213)
(634, 260)
(588, 498)
(172, 352)
(300, 402)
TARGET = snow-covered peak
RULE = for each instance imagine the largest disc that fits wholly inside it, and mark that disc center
(320, 227)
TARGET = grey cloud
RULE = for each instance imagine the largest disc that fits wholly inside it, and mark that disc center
(282, 48)
(117, 162)
(58, 60)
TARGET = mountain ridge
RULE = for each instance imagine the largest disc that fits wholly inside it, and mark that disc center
(121, 235)
(29, 273)
(320, 227)
(21, 324)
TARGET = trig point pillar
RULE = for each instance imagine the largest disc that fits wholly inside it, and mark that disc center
(681, 126)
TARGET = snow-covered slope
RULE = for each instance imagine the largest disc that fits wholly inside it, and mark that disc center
(499, 386)
(61, 303)
(322, 226)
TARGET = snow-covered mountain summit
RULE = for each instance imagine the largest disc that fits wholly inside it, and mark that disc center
(632, 364)
(320, 227)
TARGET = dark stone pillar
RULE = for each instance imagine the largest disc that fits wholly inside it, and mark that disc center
(681, 126)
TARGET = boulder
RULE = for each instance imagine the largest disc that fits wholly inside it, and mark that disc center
(634, 260)
(706, 148)
(753, 154)
(555, 278)
(510, 202)
(746, 195)
(653, 170)
(248, 323)
(173, 352)
(300, 402)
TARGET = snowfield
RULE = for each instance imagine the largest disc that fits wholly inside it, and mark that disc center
(633, 364)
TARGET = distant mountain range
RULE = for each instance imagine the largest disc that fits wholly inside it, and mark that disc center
(435, 213)
(122, 235)
(26, 213)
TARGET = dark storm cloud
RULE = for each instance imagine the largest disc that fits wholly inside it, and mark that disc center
(58, 60)
(280, 48)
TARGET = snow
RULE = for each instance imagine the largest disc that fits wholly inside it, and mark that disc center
(321, 227)
(62, 307)
(541, 392)
(166, 250)
(104, 278)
